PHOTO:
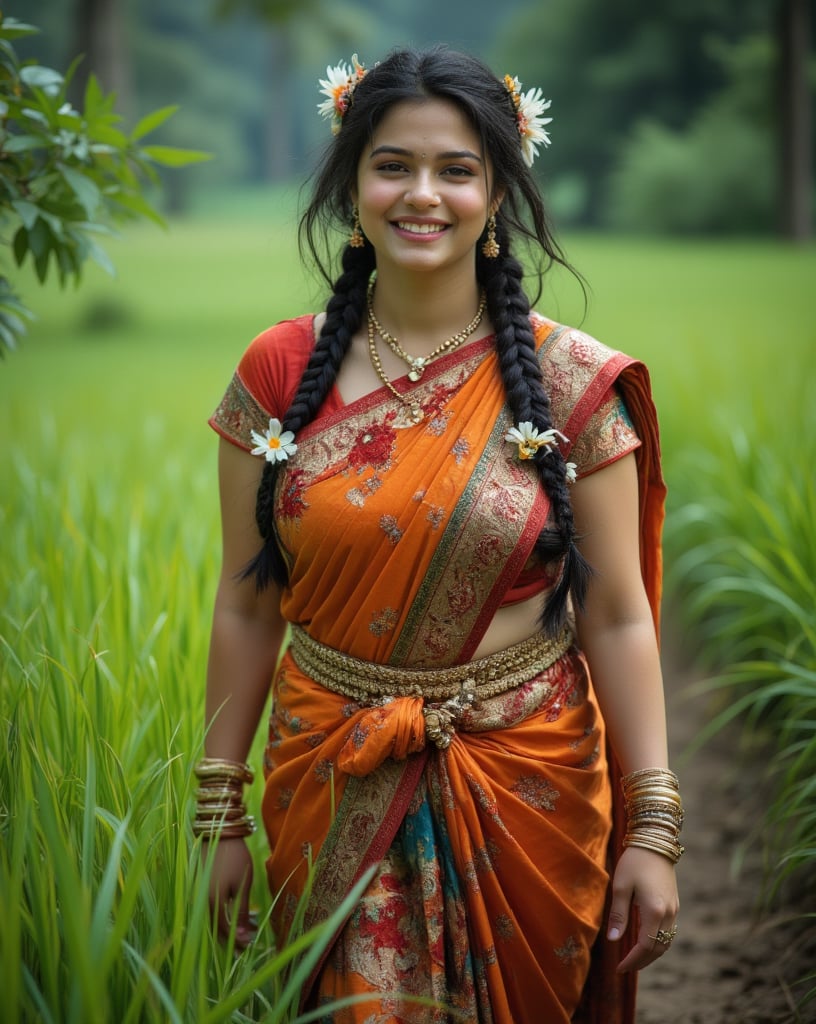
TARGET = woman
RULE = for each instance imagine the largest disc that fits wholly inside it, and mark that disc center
(457, 508)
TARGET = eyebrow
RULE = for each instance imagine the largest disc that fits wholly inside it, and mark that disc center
(453, 154)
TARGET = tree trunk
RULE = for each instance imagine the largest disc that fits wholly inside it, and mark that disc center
(795, 120)
(277, 103)
(99, 35)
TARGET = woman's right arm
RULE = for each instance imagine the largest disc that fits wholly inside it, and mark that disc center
(247, 632)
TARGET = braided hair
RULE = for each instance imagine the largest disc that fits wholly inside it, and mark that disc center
(411, 75)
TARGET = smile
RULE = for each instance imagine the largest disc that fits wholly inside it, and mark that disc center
(421, 229)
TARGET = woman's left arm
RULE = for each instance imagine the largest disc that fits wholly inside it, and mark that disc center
(617, 634)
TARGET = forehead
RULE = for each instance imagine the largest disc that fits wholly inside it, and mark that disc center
(431, 124)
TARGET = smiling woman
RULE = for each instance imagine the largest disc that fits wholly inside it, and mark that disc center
(473, 659)
(423, 204)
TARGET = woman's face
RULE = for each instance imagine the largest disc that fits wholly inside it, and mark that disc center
(423, 188)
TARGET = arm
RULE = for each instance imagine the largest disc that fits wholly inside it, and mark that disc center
(617, 634)
(248, 628)
(247, 634)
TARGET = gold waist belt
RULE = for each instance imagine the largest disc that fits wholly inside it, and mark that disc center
(369, 682)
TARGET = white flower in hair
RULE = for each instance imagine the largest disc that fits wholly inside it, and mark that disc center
(529, 439)
(530, 120)
(572, 472)
(338, 88)
(274, 445)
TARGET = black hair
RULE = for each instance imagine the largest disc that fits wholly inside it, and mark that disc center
(411, 75)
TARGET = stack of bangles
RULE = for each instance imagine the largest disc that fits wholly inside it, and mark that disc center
(220, 809)
(654, 811)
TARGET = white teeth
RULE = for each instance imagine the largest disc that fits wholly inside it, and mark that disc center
(419, 229)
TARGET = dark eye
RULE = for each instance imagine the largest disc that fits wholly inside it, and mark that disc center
(459, 172)
(392, 167)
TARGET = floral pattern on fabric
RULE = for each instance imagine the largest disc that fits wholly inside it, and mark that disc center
(608, 435)
(407, 936)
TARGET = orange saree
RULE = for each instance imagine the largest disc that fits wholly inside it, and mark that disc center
(491, 855)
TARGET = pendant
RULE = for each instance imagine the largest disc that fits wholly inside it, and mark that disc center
(417, 415)
(417, 369)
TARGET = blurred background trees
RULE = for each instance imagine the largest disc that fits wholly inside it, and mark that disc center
(67, 172)
(686, 116)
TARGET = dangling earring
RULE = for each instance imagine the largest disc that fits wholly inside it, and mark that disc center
(491, 248)
(357, 238)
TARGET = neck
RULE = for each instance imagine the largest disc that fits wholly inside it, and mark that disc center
(424, 309)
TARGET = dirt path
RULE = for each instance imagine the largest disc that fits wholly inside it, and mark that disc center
(723, 967)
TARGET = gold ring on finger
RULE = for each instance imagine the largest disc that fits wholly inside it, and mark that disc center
(665, 938)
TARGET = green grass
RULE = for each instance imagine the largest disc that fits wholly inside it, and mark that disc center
(110, 546)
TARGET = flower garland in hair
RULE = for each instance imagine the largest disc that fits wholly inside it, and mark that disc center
(530, 120)
(338, 89)
(529, 440)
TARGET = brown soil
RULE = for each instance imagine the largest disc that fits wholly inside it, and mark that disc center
(730, 964)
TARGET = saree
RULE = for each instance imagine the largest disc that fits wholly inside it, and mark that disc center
(491, 856)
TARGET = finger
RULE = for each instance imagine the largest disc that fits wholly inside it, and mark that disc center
(652, 943)
(618, 919)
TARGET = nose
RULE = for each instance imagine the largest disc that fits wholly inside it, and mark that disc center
(422, 192)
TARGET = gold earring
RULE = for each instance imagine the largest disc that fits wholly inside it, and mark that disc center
(491, 248)
(357, 238)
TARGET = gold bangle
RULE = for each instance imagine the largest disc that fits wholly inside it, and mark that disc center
(652, 827)
(223, 768)
(673, 851)
(664, 793)
(234, 830)
(648, 817)
(208, 795)
(664, 775)
(228, 813)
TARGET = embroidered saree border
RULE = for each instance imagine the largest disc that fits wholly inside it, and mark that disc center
(370, 813)
(454, 555)
(430, 603)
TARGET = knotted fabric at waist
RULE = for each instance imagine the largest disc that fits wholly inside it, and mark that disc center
(369, 681)
(407, 707)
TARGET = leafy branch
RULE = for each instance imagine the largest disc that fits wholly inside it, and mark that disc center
(66, 175)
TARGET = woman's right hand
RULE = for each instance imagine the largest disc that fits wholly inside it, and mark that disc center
(230, 884)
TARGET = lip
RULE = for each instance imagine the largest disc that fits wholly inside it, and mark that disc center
(432, 228)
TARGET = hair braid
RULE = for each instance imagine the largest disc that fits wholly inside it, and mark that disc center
(527, 397)
(344, 314)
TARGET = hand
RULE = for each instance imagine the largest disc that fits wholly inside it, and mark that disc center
(645, 880)
(230, 883)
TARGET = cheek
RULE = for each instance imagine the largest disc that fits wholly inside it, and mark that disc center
(378, 195)
(474, 204)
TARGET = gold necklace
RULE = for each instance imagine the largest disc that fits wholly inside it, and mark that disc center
(413, 407)
(417, 364)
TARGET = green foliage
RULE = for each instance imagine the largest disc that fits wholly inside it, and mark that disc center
(649, 88)
(65, 175)
(718, 173)
(104, 893)
(743, 580)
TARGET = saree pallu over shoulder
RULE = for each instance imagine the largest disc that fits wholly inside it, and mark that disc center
(401, 541)
(579, 370)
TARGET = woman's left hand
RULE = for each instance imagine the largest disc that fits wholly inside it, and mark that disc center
(646, 881)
